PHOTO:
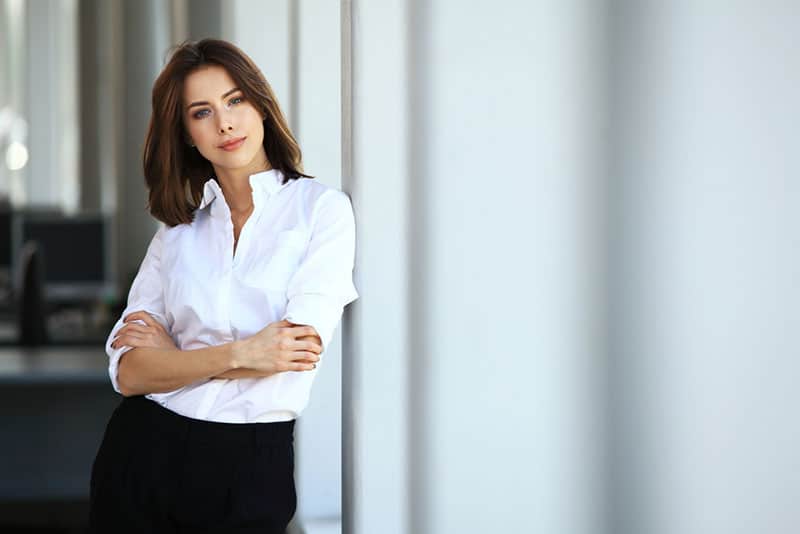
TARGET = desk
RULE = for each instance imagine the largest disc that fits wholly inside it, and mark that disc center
(54, 365)
(54, 406)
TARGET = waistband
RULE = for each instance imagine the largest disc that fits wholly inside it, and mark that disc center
(161, 419)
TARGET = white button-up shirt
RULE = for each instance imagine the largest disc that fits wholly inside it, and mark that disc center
(293, 260)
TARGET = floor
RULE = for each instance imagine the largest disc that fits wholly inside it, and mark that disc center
(43, 517)
(69, 517)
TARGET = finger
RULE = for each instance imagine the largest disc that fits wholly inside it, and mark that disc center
(302, 366)
(308, 345)
(118, 342)
(303, 330)
(130, 340)
(304, 356)
(141, 315)
(312, 339)
(292, 345)
(134, 327)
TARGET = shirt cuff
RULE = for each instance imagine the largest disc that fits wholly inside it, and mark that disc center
(115, 354)
(318, 311)
(113, 365)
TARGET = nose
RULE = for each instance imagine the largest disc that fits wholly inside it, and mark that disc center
(224, 123)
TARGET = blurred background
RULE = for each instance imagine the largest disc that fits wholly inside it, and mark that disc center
(578, 254)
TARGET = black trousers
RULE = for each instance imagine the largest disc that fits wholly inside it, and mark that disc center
(158, 471)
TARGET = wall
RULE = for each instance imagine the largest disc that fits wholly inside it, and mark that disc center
(706, 326)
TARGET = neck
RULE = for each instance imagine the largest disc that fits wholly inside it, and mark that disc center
(235, 185)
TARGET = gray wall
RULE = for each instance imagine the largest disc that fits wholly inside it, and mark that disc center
(706, 338)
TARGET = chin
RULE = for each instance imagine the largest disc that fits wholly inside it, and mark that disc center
(235, 161)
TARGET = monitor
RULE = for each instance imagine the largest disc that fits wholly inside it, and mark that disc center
(75, 253)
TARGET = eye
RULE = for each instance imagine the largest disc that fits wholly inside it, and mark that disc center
(236, 100)
(198, 115)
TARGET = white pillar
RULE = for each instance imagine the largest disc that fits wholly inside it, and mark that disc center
(145, 43)
(51, 178)
(475, 396)
(376, 166)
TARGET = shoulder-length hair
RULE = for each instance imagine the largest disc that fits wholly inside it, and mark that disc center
(174, 172)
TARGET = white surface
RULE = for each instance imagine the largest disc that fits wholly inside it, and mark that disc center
(480, 216)
(708, 335)
(51, 104)
(322, 526)
(375, 377)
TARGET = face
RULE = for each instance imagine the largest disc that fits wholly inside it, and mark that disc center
(215, 112)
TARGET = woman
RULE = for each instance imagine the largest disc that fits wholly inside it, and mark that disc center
(230, 313)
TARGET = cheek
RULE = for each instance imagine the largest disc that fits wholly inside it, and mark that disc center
(255, 127)
(201, 131)
(250, 117)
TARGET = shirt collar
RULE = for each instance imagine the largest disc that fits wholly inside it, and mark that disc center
(268, 182)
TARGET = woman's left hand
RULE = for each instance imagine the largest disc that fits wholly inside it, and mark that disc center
(151, 334)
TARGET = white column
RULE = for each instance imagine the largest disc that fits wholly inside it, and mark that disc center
(52, 104)
(13, 93)
(145, 43)
(475, 396)
(375, 374)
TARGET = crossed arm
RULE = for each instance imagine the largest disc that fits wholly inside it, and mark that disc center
(153, 335)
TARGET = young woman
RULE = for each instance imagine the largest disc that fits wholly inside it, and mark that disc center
(229, 315)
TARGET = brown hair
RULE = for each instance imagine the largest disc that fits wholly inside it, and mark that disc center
(175, 172)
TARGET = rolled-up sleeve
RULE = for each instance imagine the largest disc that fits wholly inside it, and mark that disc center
(322, 285)
(146, 294)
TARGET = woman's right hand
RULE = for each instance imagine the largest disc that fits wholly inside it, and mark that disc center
(275, 349)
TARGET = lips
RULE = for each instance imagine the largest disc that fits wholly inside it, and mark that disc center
(233, 144)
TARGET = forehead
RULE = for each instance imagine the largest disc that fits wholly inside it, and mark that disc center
(207, 83)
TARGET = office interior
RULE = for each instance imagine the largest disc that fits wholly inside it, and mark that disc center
(75, 82)
(56, 283)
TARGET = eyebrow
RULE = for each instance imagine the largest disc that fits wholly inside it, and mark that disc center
(206, 103)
